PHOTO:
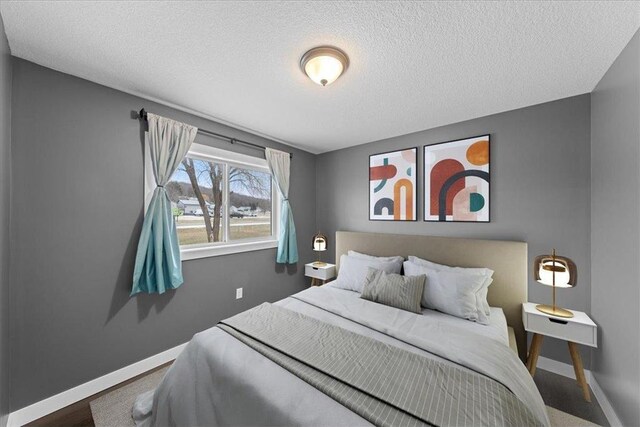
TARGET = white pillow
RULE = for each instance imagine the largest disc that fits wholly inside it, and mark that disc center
(484, 311)
(450, 292)
(353, 271)
(435, 266)
(376, 258)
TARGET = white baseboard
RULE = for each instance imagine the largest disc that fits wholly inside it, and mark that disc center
(71, 396)
(566, 370)
(561, 368)
(608, 410)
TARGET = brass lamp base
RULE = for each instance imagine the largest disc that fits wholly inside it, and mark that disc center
(319, 263)
(554, 311)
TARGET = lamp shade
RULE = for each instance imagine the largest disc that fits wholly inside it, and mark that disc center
(557, 272)
(319, 243)
(545, 267)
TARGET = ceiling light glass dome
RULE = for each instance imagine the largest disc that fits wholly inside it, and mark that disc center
(324, 64)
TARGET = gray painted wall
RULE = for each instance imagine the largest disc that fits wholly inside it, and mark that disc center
(5, 202)
(539, 190)
(615, 232)
(77, 209)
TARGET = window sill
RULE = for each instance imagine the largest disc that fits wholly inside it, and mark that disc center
(206, 251)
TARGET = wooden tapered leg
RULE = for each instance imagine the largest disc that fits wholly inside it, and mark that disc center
(534, 351)
(317, 282)
(579, 370)
(577, 366)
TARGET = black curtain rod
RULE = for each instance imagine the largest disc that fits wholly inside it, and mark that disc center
(142, 115)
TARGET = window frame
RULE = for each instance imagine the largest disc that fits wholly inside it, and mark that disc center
(229, 159)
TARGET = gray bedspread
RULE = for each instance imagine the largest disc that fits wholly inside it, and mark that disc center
(220, 380)
(384, 384)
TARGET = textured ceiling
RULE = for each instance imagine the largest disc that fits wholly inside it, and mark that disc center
(413, 66)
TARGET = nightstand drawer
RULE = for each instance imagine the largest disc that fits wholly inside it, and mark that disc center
(324, 273)
(561, 328)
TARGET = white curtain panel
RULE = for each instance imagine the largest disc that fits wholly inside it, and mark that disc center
(158, 267)
(280, 164)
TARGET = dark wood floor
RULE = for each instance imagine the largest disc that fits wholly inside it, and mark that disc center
(79, 414)
(557, 391)
(566, 395)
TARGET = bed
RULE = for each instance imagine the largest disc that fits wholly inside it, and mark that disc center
(420, 369)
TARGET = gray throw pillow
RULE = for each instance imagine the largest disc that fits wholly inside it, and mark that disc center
(403, 292)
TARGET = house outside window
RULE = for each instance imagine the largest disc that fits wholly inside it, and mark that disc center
(222, 202)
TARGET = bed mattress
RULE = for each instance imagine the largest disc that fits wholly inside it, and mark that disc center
(218, 380)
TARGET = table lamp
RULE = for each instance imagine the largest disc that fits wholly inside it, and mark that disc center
(319, 245)
(557, 272)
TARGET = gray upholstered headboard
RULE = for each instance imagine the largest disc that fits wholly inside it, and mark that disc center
(507, 259)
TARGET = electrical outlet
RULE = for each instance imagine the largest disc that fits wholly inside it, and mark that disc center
(239, 293)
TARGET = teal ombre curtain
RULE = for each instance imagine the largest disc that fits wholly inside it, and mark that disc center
(158, 266)
(279, 163)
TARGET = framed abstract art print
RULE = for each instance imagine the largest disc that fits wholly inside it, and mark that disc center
(392, 185)
(456, 180)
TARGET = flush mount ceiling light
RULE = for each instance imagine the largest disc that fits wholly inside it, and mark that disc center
(324, 64)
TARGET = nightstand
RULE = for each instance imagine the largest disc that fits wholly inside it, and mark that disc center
(578, 329)
(319, 274)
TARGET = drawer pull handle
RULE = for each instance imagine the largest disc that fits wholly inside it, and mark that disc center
(562, 322)
(315, 268)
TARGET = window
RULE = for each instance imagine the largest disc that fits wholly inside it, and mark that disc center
(222, 202)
